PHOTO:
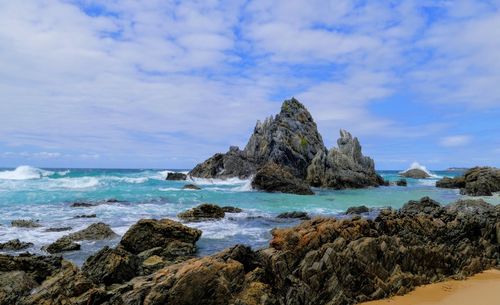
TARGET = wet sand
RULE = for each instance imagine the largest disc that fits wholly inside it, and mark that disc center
(480, 289)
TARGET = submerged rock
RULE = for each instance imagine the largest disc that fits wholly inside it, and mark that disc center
(15, 245)
(273, 178)
(203, 212)
(415, 173)
(60, 229)
(82, 205)
(230, 209)
(147, 234)
(401, 182)
(191, 187)
(176, 176)
(477, 181)
(86, 216)
(357, 210)
(23, 223)
(295, 214)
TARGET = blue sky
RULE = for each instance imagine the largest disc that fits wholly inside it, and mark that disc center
(166, 84)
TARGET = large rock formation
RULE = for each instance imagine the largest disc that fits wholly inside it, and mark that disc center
(273, 178)
(477, 181)
(321, 261)
(291, 141)
(343, 167)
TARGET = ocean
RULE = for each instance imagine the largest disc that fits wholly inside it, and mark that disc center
(47, 194)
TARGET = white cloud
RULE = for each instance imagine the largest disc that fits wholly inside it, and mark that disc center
(454, 141)
(169, 79)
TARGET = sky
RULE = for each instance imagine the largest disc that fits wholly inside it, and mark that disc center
(166, 84)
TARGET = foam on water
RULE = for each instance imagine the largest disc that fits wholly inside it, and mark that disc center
(146, 194)
(25, 172)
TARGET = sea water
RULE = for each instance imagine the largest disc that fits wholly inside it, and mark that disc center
(46, 195)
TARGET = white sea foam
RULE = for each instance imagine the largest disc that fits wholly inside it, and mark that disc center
(135, 180)
(25, 172)
(229, 181)
(73, 183)
(416, 165)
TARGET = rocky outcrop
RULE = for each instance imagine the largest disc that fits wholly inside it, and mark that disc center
(295, 215)
(23, 223)
(291, 141)
(176, 176)
(203, 212)
(477, 181)
(321, 261)
(15, 245)
(331, 261)
(96, 231)
(63, 244)
(58, 229)
(274, 178)
(343, 167)
(147, 234)
(234, 163)
(415, 173)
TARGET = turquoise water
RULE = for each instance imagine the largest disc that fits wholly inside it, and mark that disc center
(46, 195)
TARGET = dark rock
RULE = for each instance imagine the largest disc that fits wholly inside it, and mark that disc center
(477, 181)
(274, 178)
(234, 163)
(82, 205)
(15, 245)
(113, 200)
(292, 142)
(22, 223)
(60, 229)
(176, 176)
(451, 183)
(37, 267)
(67, 286)
(357, 210)
(86, 216)
(96, 231)
(230, 209)
(191, 187)
(63, 244)
(470, 207)
(203, 212)
(109, 266)
(401, 182)
(343, 167)
(425, 205)
(295, 214)
(150, 233)
(13, 285)
(415, 173)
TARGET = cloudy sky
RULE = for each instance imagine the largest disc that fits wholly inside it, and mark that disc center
(166, 84)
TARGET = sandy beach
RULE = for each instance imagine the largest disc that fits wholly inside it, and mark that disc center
(482, 288)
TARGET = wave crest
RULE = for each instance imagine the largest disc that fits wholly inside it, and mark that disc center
(25, 172)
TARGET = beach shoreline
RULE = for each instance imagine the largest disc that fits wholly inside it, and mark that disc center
(481, 288)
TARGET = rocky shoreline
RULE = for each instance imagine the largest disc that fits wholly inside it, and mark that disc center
(320, 261)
